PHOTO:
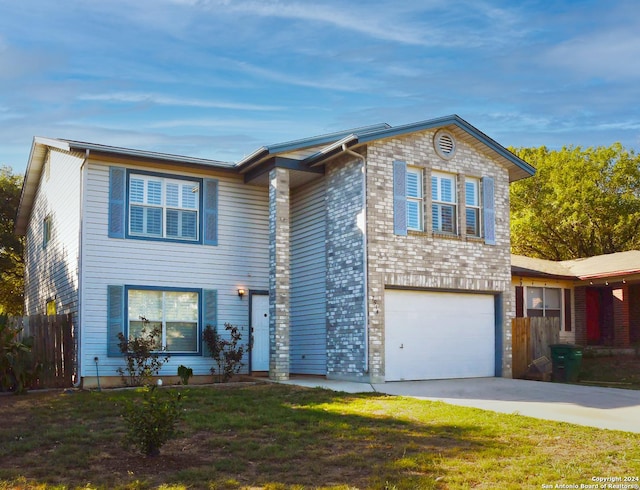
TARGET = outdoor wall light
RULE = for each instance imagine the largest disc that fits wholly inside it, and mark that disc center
(241, 292)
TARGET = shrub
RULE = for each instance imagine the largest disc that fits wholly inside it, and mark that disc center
(143, 359)
(151, 421)
(18, 369)
(227, 354)
(185, 373)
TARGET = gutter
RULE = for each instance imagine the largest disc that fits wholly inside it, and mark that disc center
(364, 253)
(78, 328)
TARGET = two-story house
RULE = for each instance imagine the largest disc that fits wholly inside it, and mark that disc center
(374, 254)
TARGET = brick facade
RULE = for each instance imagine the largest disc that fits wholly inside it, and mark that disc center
(580, 296)
(634, 313)
(279, 273)
(345, 271)
(426, 260)
(621, 316)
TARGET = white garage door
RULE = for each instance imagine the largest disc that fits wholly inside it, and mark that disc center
(435, 335)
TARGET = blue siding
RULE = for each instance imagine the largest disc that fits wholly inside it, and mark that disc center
(308, 335)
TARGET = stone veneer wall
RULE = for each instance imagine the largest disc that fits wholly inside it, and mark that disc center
(279, 273)
(422, 260)
(345, 271)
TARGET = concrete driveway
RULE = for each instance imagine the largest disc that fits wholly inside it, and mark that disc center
(605, 408)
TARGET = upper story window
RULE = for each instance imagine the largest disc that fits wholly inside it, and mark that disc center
(161, 207)
(444, 203)
(414, 199)
(544, 302)
(46, 231)
(472, 206)
(152, 206)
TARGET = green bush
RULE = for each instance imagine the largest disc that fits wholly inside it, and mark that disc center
(18, 369)
(151, 420)
(143, 359)
(227, 354)
(185, 373)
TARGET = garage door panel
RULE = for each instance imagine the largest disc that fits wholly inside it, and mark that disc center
(437, 335)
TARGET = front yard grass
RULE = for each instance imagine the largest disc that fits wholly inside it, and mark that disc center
(283, 437)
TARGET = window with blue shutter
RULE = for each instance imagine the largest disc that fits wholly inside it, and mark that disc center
(210, 212)
(414, 199)
(115, 319)
(153, 206)
(209, 312)
(117, 205)
(399, 198)
(472, 206)
(174, 312)
(488, 199)
(444, 209)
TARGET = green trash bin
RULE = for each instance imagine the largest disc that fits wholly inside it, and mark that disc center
(566, 360)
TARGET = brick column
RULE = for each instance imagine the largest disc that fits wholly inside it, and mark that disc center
(580, 298)
(279, 274)
(621, 316)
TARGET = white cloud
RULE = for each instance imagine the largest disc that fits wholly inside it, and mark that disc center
(608, 55)
(137, 98)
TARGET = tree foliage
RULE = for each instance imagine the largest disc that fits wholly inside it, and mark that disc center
(580, 203)
(11, 245)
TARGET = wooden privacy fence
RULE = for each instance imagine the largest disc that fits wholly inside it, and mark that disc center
(53, 347)
(531, 338)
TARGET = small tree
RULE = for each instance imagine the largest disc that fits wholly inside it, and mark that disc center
(143, 356)
(151, 421)
(227, 354)
(18, 369)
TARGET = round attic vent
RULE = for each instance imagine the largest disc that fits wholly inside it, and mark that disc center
(445, 144)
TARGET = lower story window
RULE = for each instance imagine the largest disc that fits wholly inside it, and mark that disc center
(174, 313)
(544, 302)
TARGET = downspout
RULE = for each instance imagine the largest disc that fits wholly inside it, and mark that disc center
(78, 381)
(364, 253)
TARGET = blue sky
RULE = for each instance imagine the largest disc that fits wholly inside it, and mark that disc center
(219, 78)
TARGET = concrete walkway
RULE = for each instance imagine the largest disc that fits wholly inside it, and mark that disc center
(605, 408)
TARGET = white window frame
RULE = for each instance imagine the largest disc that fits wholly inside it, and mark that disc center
(134, 318)
(164, 206)
(415, 200)
(437, 203)
(476, 206)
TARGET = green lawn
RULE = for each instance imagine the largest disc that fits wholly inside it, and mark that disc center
(283, 437)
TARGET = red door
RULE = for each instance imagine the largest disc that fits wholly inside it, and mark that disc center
(593, 316)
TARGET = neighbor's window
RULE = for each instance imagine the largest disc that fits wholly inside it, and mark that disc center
(51, 307)
(472, 206)
(443, 206)
(162, 207)
(543, 302)
(46, 231)
(414, 199)
(174, 313)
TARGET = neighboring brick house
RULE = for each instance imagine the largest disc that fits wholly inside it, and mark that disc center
(597, 298)
(374, 254)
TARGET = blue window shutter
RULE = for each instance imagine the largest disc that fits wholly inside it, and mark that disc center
(210, 212)
(117, 202)
(488, 202)
(210, 312)
(115, 319)
(399, 198)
